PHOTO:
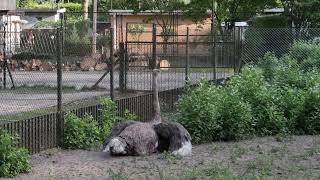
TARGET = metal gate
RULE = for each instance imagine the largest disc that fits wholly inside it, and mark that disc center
(182, 57)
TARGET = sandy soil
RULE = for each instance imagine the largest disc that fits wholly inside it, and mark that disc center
(296, 157)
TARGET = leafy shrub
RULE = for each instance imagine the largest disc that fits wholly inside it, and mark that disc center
(110, 118)
(253, 89)
(70, 7)
(309, 119)
(77, 41)
(203, 112)
(302, 50)
(13, 161)
(283, 71)
(80, 133)
(307, 54)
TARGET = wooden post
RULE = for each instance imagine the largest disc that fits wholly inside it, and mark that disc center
(111, 63)
(60, 120)
(154, 46)
(187, 57)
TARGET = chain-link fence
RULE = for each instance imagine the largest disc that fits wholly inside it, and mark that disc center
(298, 47)
(29, 54)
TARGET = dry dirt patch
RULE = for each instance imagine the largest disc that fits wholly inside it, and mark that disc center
(295, 157)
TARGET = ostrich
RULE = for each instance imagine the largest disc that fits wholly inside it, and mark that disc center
(141, 138)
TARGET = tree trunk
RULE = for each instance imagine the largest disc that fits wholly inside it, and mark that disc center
(85, 6)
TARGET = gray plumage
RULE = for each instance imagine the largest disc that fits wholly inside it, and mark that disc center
(139, 138)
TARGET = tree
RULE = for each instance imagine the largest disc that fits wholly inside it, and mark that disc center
(227, 10)
(303, 13)
(85, 6)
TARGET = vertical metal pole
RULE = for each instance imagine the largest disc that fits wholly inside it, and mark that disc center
(4, 68)
(62, 26)
(214, 40)
(122, 67)
(94, 28)
(187, 57)
(4, 58)
(234, 51)
(111, 65)
(59, 88)
(154, 46)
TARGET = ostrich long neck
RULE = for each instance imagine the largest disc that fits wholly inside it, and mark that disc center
(156, 104)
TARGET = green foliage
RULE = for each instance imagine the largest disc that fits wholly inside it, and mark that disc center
(303, 13)
(274, 97)
(309, 119)
(77, 42)
(203, 112)
(80, 133)
(70, 7)
(13, 161)
(85, 133)
(130, 116)
(307, 54)
(275, 21)
(110, 119)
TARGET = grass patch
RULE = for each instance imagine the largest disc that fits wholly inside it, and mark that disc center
(237, 152)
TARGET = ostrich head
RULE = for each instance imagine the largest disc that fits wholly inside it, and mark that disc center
(116, 146)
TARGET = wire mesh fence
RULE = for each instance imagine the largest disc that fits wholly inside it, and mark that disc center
(29, 56)
(29, 68)
(299, 47)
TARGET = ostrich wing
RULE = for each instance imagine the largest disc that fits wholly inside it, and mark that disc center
(116, 131)
(171, 135)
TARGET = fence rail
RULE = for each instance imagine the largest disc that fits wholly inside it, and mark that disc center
(41, 133)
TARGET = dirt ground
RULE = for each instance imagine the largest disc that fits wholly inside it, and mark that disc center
(294, 157)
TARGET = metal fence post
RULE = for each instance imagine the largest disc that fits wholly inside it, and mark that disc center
(154, 46)
(187, 57)
(60, 120)
(4, 67)
(235, 55)
(214, 41)
(122, 68)
(111, 63)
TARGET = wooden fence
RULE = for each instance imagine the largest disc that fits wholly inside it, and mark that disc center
(40, 133)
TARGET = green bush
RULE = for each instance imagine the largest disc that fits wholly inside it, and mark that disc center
(303, 50)
(284, 71)
(251, 86)
(309, 119)
(109, 115)
(307, 54)
(85, 133)
(13, 161)
(70, 7)
(203, 112)
(80, 133)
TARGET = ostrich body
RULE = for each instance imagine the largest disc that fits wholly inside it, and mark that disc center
(141, 138)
